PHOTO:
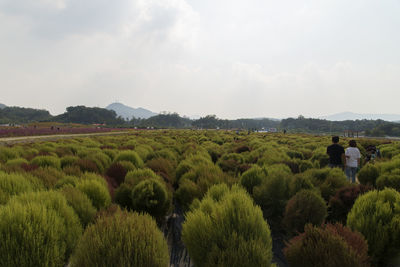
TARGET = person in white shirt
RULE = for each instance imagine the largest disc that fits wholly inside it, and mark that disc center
(353, 157)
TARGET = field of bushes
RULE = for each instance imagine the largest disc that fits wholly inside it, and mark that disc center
(244, 199)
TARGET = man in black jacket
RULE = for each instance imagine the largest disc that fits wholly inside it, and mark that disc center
(336, 154)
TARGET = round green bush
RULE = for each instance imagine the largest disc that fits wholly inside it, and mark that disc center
(96, 191)
(388, 180)
(67, 180)
(136, 176)
(46, 161)
(298, 183)
(13, 184)
(376, 215)
(31, 235)
(68, 161)
(7, 153)
(124, 239)
(130, 156)
(187, 192)
(330, 246)
(368, 175)
(56, 201)
(253, 177)
(81, 204)
(227, 229)
(16, 162)
(305, 207)
(305, 165)
(273, 193)
(151, 196)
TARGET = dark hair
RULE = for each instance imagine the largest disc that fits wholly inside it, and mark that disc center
(335, 139)
(352, 143)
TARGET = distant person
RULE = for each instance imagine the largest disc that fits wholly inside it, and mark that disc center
(336, 153)
(353, 157)
(284, 131)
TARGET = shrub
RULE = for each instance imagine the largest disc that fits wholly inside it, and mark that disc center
(31, 235)
(230, 162)
(96, 191)
(124, 239)
(68, 161)
(343, 201)
(55, 201)
(81, 204)
(13, 184)
(305, 165)
(67, 180)
(330, 246)
(376, 215)
(163, 167)
(47, 161)
(298, 183)
(72, 170)
(204, 176)
(388, 180)
(331, 184)
(151, 196)
(368, 174)
(87, 165)
(48, 175)
(253, 177)
(123, 195)
(305, 207)
(7, 153)
(187, 192)
(16, 162)
(117, 172)
(227, 229)
(136, 176)
(130, 156)
(272, 194)
(127, 165)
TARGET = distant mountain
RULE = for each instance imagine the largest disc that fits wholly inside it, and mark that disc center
(129, 112)
(355, 116)
(2, 106)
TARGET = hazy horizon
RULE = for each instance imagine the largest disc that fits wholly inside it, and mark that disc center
(234, 59)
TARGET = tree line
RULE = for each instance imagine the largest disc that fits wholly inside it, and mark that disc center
(95, 115)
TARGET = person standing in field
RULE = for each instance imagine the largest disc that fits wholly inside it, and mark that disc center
(336, 153)
(353, 157)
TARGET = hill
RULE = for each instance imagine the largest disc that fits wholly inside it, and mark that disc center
(129, 112)
(2, 106)
(86, 115)
(344, 116)
(23, 115)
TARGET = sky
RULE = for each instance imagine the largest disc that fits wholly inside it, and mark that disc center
(231, 58)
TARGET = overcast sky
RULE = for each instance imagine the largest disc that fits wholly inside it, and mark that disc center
(248, 58)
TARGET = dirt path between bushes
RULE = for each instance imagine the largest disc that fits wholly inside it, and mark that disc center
(36, 138)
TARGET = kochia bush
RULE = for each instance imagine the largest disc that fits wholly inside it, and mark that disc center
(130, 156)
(368, 174)
(31, 235)
(376, 215)
(96, 191)
(227, 229)
(305, 207)
(47, 161)
(151, 196)
(55, 201)
(331, 246)
(123, 239)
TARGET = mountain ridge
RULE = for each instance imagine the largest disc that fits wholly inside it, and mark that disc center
(129, 112)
